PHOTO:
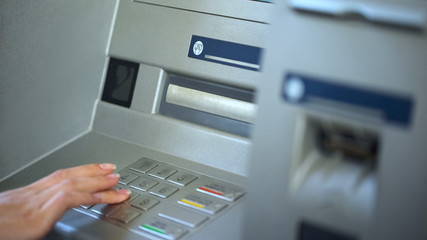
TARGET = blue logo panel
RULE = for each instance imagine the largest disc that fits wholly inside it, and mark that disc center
(393, 108)
(227, 53)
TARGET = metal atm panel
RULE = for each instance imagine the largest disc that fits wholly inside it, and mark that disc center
(338, 144)
(160, 57)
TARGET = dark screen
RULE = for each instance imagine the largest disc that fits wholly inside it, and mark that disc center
(308, 231)
(120, 82)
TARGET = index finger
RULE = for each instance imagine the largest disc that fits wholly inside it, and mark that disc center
(89, 170)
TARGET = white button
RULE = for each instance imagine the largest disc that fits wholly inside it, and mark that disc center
(198, 48)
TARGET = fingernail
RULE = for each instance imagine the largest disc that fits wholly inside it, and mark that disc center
(114, 175)
(98, 197)
(107, 166)
(124, 191)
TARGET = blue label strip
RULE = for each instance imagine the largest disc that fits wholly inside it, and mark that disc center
(227, 53)
(394, 108)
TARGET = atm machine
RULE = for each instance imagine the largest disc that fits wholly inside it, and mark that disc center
(175, 112)
(339, 147)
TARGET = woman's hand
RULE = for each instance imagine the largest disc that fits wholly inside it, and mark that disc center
(31, 211)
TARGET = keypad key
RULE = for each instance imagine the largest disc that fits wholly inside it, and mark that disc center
(144, 202)
(164, 229)
(143, 165)
(203, 203)
(124, 214)
(162, 172)
(163, 190)
(126, 177)
(143, 184)
(133, 194)
(221, 190)
(182, 178)
(183, 216)
(105, 209)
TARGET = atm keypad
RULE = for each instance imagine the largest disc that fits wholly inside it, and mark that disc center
(165, 200)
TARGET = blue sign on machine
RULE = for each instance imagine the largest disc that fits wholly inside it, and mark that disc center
(227, 53)
(391, 107)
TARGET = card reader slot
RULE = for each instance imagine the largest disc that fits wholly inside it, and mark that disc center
(211, 103)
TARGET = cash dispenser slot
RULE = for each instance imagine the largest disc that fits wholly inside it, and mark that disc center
(338, 145)
(331, 148)
(310, 231)
(350, 142)
(335, 164)
(334, 172)
(222, 107)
